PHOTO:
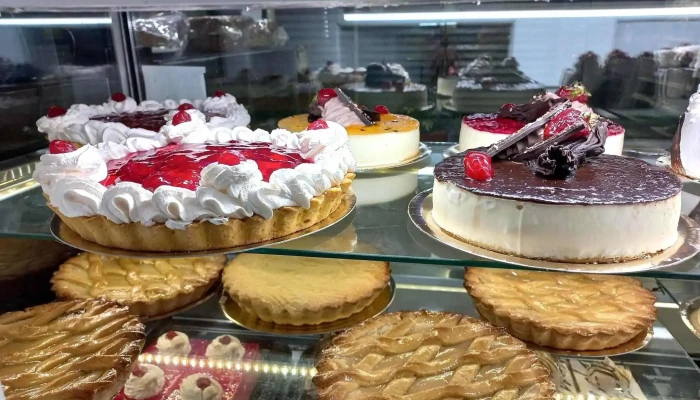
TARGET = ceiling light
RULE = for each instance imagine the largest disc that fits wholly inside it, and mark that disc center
(54, 21)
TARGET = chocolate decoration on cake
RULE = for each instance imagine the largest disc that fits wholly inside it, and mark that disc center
(348, 103)
(315, 112)
(528, 112)
(380, 76)
(676, 163)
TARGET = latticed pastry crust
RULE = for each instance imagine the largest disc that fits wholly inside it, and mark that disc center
(147, 286)
(424, 355)
(200, 236)
(563, 310)
(303, 290)
(72, 350)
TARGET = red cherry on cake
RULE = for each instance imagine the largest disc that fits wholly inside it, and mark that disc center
(219, 93)
(203, 382)
(119, 97)
(575, 92)
(185, 107)
(56, 111)
(60, 147)
(381, 109)
(225, 339)
(563, 121)
(180, 117)
(171, 335)
(316, 125)
(139, 371)
(477, 165)
(324, 95)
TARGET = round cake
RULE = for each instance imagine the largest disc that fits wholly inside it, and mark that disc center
(388, 85)
(614, 209)
(384, 139)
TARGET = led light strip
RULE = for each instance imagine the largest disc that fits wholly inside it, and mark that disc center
(235, 366)
(522, 14)
(54, 21)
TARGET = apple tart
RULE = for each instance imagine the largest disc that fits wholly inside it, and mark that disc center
(71, 350)
(429, 355)
(148, 286)
(563, 310)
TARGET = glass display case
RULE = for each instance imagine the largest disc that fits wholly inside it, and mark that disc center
(615, 217)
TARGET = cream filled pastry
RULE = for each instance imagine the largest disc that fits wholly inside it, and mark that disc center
(685, 149)
(145, 381)
(225, 347)
(174, 343)
(376, 137)
(200, 387)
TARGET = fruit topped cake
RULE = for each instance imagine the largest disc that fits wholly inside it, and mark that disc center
(194, 187)
(554, 195)
(121, 117)
(485, 129)
(377, 137)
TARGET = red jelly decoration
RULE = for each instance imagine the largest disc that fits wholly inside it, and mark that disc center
(60, 146)
(139, 371)
(56, 111)
(225, 339)
(381, 109)
(203, 382)
(219, 93)
(119, 96)
(185, 106)
(477, 165)
(318, 124)
(180, 117)
(324, 95)
(171, 335)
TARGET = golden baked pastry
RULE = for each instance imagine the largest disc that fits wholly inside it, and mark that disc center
(303, 290)
(563, 310)
(148, 286)
(422, 355)
(71, 350)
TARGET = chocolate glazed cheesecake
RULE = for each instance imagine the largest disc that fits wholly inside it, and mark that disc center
(559, 199)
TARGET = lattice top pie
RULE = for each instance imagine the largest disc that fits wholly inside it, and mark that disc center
(563, 310)
(425, 355)
(147, 286)
(72, 350)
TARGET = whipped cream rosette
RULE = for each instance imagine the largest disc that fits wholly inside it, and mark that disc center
(197, 187)
(121, 117)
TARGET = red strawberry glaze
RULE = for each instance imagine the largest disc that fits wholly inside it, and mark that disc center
(492, 123)
(181, 165)
(615, 129)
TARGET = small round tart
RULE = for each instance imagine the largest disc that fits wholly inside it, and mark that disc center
(614, 209)
(429, 355)
(225, 347)
(195, 188)
(145, 381)
(393, 139)
(79, 349)
(174, 343)
(303, 290)
(563, 310)
(147, 286)
(200, 387)
(121, 117)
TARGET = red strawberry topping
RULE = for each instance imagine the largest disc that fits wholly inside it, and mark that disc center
(219, 93)
(575, 92)
(119, 97)
(203, 382)
(477, 165)
(225, 339)
(60, 147)
(185, 107)
(180, 117)
(381, 109)
(56, 111)
(139, 371)
(316, 125)
(563, 121)
(324, 95)
(171, 335)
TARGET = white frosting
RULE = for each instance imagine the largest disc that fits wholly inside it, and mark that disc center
(72, 180)
(232, 351)
(690, 138)
(334, 110)
(76, 126)
(146, 386)
(177, 346)
(190, 391)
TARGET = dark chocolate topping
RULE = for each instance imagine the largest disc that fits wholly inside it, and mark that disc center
(347, 102)
(528, 112)
(676, 163)
(601, 180)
